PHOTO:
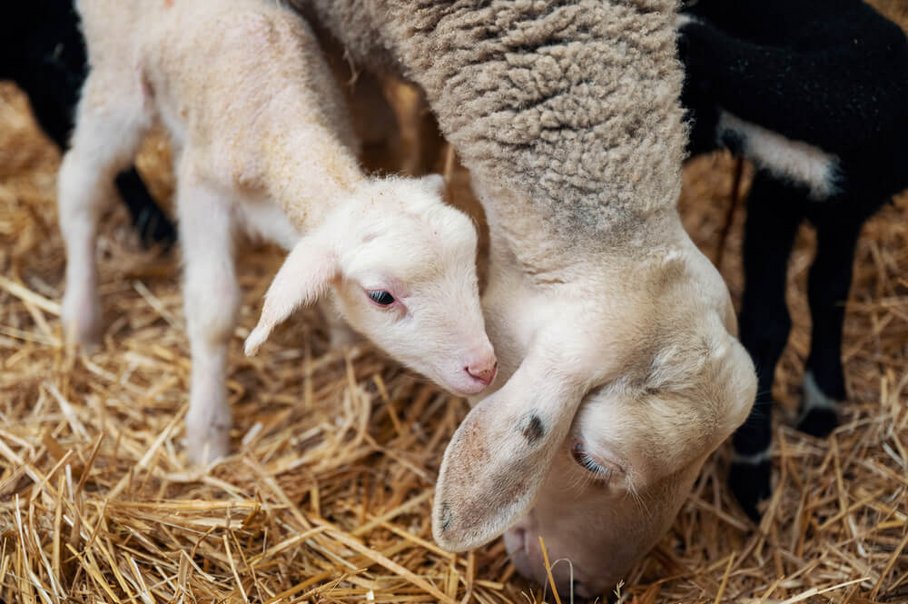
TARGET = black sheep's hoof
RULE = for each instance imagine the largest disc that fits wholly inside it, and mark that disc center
(819, 422)
(149, 221)
(154, 228)
(750, 484)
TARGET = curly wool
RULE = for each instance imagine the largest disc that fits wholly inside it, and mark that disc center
(573, 106)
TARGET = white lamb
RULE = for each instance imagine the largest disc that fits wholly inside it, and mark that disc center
(262, 145)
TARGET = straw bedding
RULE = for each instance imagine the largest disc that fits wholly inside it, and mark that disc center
(327, 497)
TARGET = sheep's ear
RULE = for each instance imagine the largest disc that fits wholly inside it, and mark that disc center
(500, 455)
(303, 277)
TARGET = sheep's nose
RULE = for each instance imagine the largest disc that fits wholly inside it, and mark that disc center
(483, 369)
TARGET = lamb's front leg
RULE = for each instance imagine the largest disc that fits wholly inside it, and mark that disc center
(211, 300)
(82, 197)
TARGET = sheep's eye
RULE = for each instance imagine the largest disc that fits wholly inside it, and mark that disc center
(600, 472)
(381, 297)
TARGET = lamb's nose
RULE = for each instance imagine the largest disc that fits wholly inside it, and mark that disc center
(483, 370)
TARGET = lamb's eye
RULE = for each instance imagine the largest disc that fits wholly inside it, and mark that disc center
(601, 473)
(381, 297)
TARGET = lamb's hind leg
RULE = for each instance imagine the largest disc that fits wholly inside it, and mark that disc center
(110, 124)
(211, 300)
(829, 282)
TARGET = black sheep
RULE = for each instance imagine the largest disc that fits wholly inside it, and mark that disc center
(42, 51)
(815, 93)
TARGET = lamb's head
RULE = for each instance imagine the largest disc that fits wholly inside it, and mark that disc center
(402, 266)
(595, 440)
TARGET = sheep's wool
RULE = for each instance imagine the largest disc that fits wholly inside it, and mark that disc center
(572, 106)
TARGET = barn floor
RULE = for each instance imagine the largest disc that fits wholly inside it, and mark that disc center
(328, 494)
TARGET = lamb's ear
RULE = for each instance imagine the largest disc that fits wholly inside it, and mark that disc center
(305, 274)
(500, 454)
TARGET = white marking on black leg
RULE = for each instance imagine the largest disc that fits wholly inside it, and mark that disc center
(793, 160)
(753, 459)
(814, 398)
(684, 18)
(819, 412)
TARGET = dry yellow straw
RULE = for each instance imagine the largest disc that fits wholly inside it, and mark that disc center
(548, 570)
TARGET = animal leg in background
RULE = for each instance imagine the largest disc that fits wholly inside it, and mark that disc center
(109, 130)
(829, 282)
(211, 302)
(339, 332)
(47, 62)
(149, 220)
(774, 212)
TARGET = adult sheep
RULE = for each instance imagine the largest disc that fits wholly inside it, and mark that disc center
(615, 335)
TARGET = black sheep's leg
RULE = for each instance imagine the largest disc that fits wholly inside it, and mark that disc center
(774, 213)
(829, 282)
(149, 220)
(53, 114)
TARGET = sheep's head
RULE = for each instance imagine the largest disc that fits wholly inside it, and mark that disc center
(595, 439)
(402, 266)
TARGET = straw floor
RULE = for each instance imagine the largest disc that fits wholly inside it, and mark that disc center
(328, 494)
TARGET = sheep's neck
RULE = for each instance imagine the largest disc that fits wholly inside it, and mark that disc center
(573, 110)
(526, 240)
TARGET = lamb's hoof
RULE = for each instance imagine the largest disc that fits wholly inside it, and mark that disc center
(82, 327)
(208, 448)
(819, 422)
(750, 484)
